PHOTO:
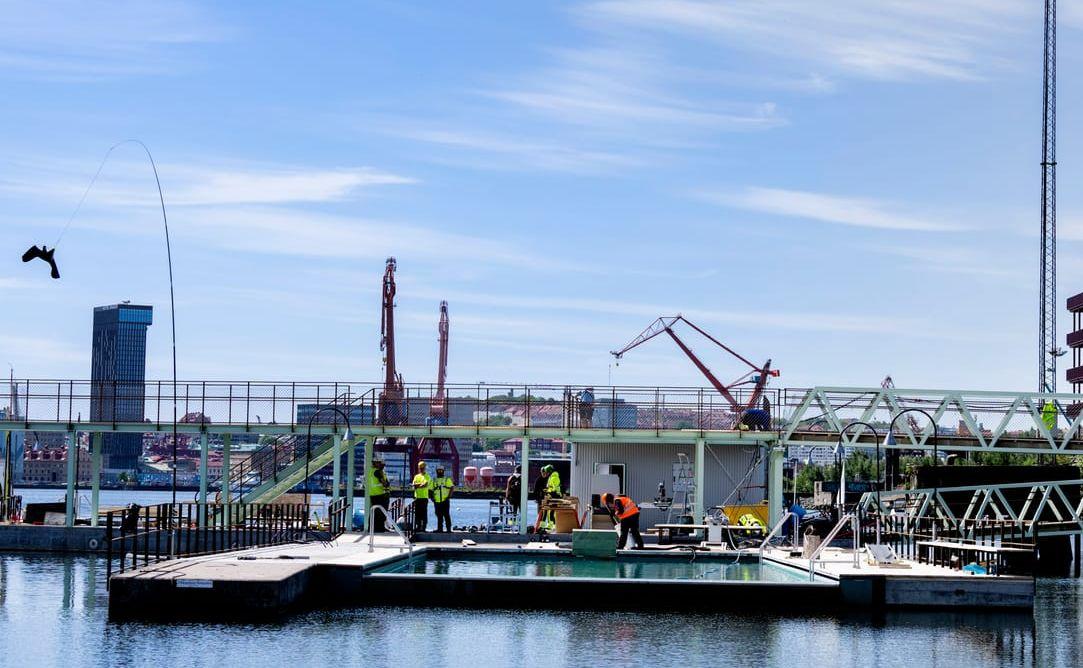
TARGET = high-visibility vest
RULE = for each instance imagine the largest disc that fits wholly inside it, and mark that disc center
(425, 482)
(441, 489)
(1049, 415)
(552, 486)
(376, 486)
(629, 508)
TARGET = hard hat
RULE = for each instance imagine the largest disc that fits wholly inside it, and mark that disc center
(607, 498)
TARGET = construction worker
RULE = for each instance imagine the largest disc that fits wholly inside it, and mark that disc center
(1049, 416)
(514, 490)
(422, 485)
(623, 510)
(379, 489)
(586, 408)
(552, 482)
(442, 487)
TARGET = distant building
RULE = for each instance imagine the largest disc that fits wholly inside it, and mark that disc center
(118, 374)
(50, 467)
(1075, 342)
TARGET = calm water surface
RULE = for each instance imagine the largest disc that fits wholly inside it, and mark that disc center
(53, 613)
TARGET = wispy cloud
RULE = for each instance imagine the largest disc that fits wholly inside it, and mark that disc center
(487, 150)
(834, 209)
(98, 39)
(889, 39)
(954, 259)
(619, 88)
(124, 182)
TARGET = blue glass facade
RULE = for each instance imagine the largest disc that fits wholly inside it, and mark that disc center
(118, 371)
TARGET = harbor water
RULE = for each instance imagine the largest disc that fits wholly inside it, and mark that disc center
(53, 612)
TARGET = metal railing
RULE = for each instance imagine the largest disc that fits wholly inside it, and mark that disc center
(848, 518)
(141, 536)
(390, 525)
(774, 530)
(260, 404)
(1008, 545)
(339, 517)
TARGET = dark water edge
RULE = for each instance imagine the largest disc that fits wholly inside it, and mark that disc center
(53, 613)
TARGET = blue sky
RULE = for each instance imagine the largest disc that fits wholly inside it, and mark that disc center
(849, 188)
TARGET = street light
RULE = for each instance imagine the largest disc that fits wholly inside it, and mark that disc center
(932, 422)
(48, 257)
(347, 436)
(842, 470)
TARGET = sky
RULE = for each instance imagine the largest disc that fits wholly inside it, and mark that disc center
(850, 189)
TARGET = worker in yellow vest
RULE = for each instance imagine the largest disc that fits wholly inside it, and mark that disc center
(552, 482)
(379, 490)
(422, 485)
(1049, 416)
(441, 499)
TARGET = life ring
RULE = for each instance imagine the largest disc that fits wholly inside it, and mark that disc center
(93, 543)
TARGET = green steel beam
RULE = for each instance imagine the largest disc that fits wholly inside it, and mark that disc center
(71, 507)
(95, 477)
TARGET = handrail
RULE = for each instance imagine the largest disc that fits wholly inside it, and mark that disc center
(388, 524)
(782, 522)
(848, 517)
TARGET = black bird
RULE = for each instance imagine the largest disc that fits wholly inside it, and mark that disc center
(44, 254)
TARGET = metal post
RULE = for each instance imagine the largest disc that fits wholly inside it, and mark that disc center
(71, 507)
(370, 445)
(700, 470)
(524, 487)
(774, 484)
(336, 468)
(351, 477)
(95, 475)
(203, 447)
(227, 446)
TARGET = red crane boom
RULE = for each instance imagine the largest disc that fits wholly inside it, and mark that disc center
(438, 407)
(757, 375)
(391, 408)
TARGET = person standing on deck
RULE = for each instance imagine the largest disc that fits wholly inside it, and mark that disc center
(552, 482)
(379, 489)
(422, 485)
(441, 499)
(625, 511)
(514, 489)
(586, 408)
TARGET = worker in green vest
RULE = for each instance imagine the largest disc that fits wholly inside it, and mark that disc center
(441, 499)
(379, 490)
(552, 483)
(422, 485)
(1049, 416)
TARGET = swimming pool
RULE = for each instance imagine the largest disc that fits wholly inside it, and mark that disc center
(683, 566)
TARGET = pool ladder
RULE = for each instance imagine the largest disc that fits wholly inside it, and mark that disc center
(388, 524)
(815, 556)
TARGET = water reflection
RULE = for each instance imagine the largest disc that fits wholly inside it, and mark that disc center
(53, 612)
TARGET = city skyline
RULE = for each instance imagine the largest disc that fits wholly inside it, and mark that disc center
(618, 161)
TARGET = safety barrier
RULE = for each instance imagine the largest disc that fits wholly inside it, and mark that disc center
(141, 536)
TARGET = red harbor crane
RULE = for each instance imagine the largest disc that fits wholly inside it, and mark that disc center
(392, 408)
(756, 376)
(433, 448)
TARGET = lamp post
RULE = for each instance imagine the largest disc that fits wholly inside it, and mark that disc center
(169, 262)
(932, 423)
(347, 435)
(842, 470)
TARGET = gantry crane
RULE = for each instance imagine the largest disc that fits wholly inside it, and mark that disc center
(756, 376)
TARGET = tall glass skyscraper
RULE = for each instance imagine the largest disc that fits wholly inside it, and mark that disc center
(118, 371)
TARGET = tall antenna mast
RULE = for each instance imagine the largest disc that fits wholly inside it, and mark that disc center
(1047, 319)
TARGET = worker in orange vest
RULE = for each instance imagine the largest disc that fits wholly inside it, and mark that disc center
(625, 511)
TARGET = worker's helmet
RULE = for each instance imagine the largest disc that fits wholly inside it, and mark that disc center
(421, 464)
(546, 469)
(439, 469)
(607, 499)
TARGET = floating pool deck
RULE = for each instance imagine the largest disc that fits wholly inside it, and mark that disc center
(275, 581)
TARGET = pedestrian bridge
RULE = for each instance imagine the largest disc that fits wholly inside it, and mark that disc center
(911, 419)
